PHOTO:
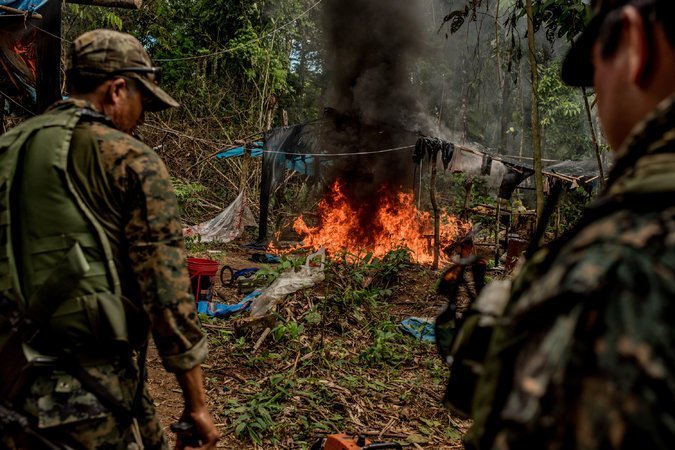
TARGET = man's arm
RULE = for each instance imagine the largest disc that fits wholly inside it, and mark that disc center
(191, 383)
(156, 250)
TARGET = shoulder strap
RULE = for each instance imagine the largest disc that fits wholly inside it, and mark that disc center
(61, 161)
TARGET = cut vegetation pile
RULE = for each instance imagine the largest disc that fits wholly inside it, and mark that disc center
(333, 361)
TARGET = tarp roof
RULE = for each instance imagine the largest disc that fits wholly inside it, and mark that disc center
(22, 5)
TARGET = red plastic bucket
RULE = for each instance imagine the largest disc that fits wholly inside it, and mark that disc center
(202, 273)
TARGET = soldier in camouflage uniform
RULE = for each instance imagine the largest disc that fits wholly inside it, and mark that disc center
(127, 189)
(584, 357)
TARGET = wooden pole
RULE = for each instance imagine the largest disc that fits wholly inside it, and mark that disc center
(557, 221)
(468, 187)
(28, 14)
(48, 56)
(497, 226)
(434, 205)
(419, 197)
(126, 4)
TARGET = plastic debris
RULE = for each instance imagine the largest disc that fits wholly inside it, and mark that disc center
(226, 226)
(419, 328)
(222, 310)
(290, 282)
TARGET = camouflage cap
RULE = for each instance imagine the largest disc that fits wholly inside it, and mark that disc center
(577, 67)
(115, 53)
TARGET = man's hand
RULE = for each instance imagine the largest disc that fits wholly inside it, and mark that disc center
(195, 410)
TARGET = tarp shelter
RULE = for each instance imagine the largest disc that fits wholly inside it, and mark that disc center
(305, 146)
(510, 172)
(301, 148)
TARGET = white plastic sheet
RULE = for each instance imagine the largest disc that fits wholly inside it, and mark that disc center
(290, 282)
(226, 226)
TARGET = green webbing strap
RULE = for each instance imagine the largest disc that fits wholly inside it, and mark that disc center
(63, 242)
(4, 218)
(62, 280)
(61, 161)
(96, 269)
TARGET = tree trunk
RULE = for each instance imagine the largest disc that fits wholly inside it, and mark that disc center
(536, 129)
(499, 61)
(596, 146)
(521, 104)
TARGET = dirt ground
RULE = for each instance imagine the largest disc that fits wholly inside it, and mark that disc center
(320, 371)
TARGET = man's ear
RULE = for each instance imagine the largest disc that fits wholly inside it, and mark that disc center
(116, 90)
(639, 53)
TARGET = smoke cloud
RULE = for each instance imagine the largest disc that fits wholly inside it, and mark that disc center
(371, 101)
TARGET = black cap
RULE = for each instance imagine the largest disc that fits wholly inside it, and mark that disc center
(577, 69)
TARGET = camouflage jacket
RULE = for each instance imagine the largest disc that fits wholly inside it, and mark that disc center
(584, 358)
(140, 216)
(138, 210)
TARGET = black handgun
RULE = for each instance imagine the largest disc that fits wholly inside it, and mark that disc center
(187, 434)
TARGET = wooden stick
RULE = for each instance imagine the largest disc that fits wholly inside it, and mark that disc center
(126, 4)
(261, 339)
(30, 15)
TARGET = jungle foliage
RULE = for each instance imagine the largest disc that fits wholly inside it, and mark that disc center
(239, 68)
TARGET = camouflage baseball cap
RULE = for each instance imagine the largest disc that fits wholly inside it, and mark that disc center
(114, 53)
(578, 68)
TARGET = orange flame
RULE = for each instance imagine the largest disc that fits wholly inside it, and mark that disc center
(396, 223)
(27, 54)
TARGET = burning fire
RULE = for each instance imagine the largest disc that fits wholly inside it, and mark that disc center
(394, 223)
(26, 52)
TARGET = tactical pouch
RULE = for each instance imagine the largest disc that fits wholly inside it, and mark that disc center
(466, 350)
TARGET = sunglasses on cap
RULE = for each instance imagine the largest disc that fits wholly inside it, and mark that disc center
(155, 71)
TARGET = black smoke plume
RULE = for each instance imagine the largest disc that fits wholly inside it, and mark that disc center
(371, 103)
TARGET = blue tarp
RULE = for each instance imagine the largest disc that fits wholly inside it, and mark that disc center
(222, 310)
(299, 163)
(256, 152)
(419, 328)
(23, 5)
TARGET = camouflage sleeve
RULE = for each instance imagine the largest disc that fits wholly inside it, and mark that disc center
(626, 393)
(597, 369)
(157, 254)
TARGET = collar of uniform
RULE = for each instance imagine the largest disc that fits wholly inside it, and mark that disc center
(72, 103)
(89, 111)
(653, 136)
(651, 130)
